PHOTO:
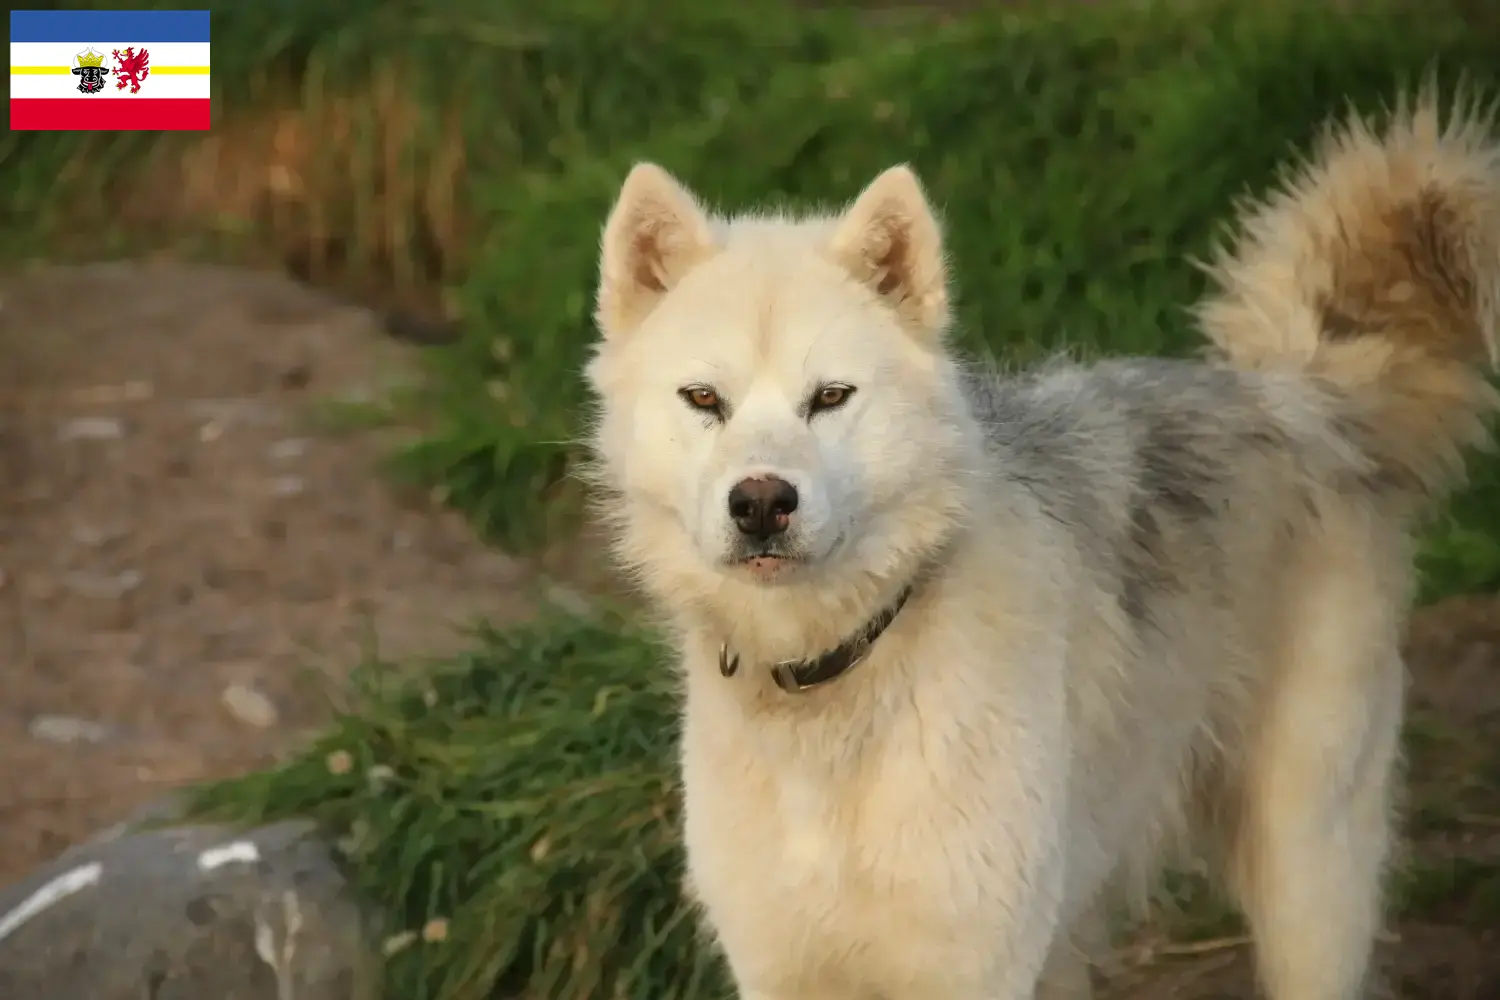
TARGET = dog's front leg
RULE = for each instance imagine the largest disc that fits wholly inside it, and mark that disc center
(1004, 856)
(1024, 933)
(999, 952)
(1020, 850)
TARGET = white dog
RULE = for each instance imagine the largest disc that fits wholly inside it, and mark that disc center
(965, 652)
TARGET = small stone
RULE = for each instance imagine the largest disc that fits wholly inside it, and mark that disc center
(288, 449)
(93, 537)
(569, 600)
(67, 729)
(103, 586)
(92, 429)
(133, 391)
(287, 486)
(233, 411)
(210, 432)
(250, 706)
(504, 570)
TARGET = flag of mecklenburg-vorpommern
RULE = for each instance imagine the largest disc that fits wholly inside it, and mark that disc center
(109, 70)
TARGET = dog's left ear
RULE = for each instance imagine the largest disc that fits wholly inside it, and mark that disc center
(655, 234)
(890, 240)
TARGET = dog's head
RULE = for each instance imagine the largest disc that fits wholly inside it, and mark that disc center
(775, 397)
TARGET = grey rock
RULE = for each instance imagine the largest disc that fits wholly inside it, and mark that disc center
(163, 811)
(187, 913)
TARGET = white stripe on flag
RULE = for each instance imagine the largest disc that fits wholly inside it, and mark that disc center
(67, 86)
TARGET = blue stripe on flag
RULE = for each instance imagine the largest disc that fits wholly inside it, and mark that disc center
(108, 27)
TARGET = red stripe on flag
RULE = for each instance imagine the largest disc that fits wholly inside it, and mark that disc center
(152, 114)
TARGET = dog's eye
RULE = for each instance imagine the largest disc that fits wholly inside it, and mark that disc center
(830, 396)
(701, 397)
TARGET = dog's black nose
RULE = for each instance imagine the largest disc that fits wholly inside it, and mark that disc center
(762, 507)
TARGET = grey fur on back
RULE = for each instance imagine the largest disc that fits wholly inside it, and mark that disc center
(1144, 461)
(1180, 489)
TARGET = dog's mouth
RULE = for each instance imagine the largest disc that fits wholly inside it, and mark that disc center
(767, 566)
(777, 560)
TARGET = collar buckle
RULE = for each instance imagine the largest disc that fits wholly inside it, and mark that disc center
(729, 664)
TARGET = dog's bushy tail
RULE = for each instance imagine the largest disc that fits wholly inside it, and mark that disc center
(1375, 268)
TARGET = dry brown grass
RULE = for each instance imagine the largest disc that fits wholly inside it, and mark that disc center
(361, 189)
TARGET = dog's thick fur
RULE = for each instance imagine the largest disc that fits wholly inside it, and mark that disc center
(1155, 603)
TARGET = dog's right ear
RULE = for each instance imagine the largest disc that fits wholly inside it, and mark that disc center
(656, 233)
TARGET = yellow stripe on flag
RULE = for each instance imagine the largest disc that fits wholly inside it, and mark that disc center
(66, 70)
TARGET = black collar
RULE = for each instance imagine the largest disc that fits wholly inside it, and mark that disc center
(796, 676)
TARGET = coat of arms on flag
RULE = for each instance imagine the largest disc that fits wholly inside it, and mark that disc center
(90, 69)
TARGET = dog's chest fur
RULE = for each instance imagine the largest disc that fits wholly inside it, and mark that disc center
(817, 838)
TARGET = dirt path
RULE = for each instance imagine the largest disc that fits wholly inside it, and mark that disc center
(185, 556)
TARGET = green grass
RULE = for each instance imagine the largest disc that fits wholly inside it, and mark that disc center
(1082, 159)
(525, 792)
(1457, 889)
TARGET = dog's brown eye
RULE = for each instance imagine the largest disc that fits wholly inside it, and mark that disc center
(701, 397)
(830, 396)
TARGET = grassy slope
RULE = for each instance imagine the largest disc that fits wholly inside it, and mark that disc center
(525, 793)
(397, 119)
(1082, 162)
